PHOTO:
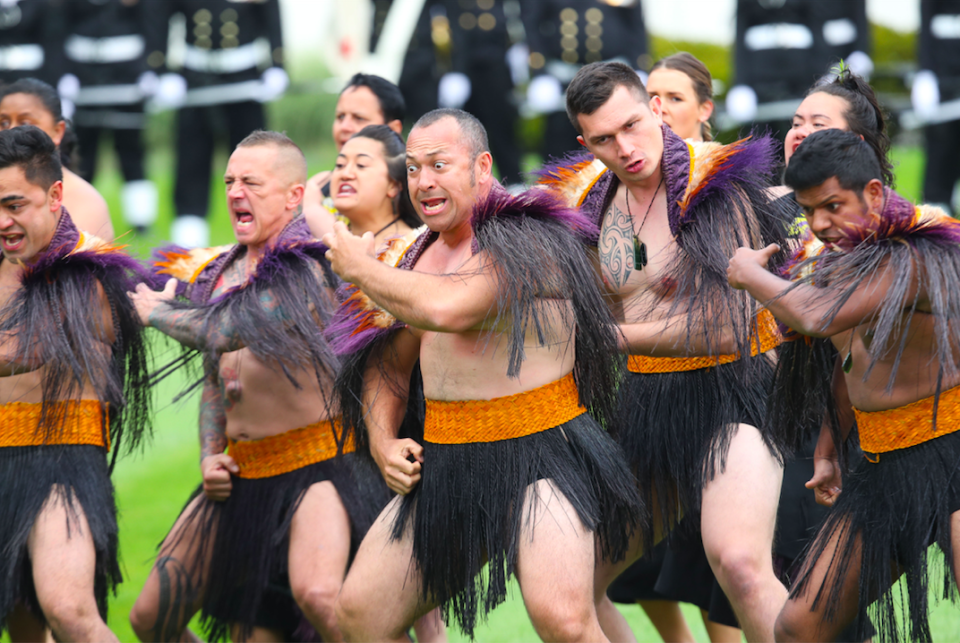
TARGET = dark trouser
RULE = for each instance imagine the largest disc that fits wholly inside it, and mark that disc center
(197, 129)
(490, 101)
(559, 137)
(943, 164)
(125, 123)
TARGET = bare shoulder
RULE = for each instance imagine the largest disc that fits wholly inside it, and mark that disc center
(86, 206)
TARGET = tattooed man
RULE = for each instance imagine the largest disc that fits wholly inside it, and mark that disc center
(72, 387)
(281, 508)
(671, 213)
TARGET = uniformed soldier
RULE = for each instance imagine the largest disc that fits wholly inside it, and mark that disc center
(562, 36)
(939, 81)
(784, 46)
(27, 37)
(481, 81)
(232, 62)
(105, 50)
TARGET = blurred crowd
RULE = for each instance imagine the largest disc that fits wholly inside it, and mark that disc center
(217, 61)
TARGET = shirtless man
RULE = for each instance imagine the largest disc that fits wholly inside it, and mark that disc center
(366, 100)
(692, 407)
(876, 315)
(266, 397)
(511, 471)
(74, 343)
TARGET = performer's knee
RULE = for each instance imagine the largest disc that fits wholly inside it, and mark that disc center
(71, 614)
(318, 598)
(790, 626)
(560, 620)
(739, 571)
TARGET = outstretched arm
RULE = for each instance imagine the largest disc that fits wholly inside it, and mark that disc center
(449, 303)
(805, 307)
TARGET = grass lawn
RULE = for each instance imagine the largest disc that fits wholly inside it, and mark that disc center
(153, 486)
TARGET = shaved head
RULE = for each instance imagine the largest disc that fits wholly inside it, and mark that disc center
(291, 164)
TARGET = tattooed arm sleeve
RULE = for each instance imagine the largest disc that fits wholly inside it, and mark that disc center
(213, 419)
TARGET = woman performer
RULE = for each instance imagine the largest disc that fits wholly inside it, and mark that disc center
(680, 571)
(29, 101)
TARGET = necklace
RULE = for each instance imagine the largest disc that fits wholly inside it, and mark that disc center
(395, 219)
(639, 247)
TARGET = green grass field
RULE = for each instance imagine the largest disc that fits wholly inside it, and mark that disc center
(153, 486)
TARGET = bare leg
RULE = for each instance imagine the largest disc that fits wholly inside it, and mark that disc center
(737, 521)
(801, 621)
(171, 595)
(668, 620)
(555, 568)
(718, 632)
(318, 557)
(430, 628)
(64, 563)
(24, 627)
(380, 598)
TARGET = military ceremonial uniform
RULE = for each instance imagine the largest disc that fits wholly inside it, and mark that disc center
(563, 35)
(939, 52)
(105, 48)
(228, 47)
(26, 36)
(782, 48)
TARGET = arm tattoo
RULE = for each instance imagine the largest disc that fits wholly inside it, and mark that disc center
(177, 596)
(616, 247)
(213, 419)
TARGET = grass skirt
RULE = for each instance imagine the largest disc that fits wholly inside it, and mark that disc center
(28, 476)
(251, 537)
(468, 509)
(900, 505)
(675, 429)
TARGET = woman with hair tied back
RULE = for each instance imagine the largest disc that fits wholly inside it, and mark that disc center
(678, 570)
(369, 184)
(29, 101)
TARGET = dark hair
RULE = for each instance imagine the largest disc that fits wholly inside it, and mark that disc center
(30, 149)
(864, 114)
(389, 96)
(395, 154)
(51, 102)
(699, 77)
(472, 129)
(833, 153)
(595, 83)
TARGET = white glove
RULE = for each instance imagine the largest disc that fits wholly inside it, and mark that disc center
(454, 90)
(148, 83)
(171, 91)
(275, 82)
(860, 64)
(67, 108)
(68, 87)
(742, 103)
(925, 93)
(545, 94)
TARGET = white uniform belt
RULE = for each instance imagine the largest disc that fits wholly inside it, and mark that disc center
(115, 49)
(227, 61)
(109, 95)
(21, 57)
(221, 94)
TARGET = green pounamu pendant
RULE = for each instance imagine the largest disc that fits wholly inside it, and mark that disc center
(639, 254)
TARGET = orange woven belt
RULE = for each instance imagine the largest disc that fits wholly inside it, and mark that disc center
(279, 454)
(907, 426)
(83, 423)
(502, 418)
(769, 339)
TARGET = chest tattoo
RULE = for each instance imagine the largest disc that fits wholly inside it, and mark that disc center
(616, 247)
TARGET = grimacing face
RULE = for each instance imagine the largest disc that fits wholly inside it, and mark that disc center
(28, 215)
(624, 133)
(817, 111)
(831, 209)
(261, 202)
(360, 180)
(681, 108)
(443, 179)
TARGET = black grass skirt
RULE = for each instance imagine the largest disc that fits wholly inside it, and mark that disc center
(251, 529)
(900, 505)
(468, 509)
(28, 476)
(675, 429)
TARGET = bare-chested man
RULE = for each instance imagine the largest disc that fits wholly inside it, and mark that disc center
(72, 387)
(875, 308)
(671, 214)
(281, 508)
(505, 316)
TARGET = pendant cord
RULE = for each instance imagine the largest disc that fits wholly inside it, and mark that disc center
(649, 207)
